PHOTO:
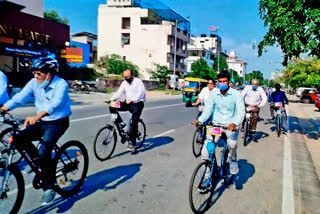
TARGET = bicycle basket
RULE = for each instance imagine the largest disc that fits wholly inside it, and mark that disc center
(216, 131)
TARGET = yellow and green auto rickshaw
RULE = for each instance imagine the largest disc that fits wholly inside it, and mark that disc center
(192, 87)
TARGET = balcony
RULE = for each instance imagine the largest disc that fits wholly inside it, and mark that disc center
(183, 35)
(179, 67)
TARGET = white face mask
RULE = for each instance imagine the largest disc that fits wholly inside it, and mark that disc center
(44, 83)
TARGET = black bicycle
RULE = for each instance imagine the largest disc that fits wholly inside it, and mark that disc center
(106, 138)
(277, 107)
(70, 161)
(5, 135)
(208, 173)
(247, 125)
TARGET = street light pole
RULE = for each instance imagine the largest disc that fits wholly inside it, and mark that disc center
(175, 54)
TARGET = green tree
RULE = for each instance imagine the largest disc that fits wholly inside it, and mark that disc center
(54, 16)
(114, 64)
(293, 24)
(255, 75)
(161, 72)
(234, 75)
(201, 69)
(302, 73)
(222, 63)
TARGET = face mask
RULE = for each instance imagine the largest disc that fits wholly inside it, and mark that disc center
(222, 86)
(129, 80)
(254, 87)
(44, 83)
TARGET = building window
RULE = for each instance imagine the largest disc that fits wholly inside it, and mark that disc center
(125, 23)
(125, 38)
(124, 58)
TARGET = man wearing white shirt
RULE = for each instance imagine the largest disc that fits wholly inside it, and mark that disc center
(135, 93)
(254, 95)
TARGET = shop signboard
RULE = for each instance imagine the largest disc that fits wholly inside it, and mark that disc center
(15, 50)
(74, 55)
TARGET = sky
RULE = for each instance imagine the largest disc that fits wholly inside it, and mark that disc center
(238, 21)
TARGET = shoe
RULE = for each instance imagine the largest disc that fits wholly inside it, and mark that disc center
(234, 168)
(253, 133)
(123, 139)
(283, 130)
(48, 197)
(203, 188)
(131, 148)
(242, 129)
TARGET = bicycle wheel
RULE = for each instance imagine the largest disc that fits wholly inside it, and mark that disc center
(228, 178)
(12, 198)
(197, 142)
(200, 200)
(141, 135)
(105, 143)
(71, 164)
(4, 139)
(246, 133)
(278, 126)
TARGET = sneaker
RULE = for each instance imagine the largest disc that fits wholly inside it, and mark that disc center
(123, 139)
(131, 148)
(283, 130)
(48, 197)
(253, 133)
(234, 168)
(242, 129)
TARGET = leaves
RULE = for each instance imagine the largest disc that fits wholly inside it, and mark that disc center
(201, 69)
(161, 72)
(54, 16)
(293, 24)
(255, 75)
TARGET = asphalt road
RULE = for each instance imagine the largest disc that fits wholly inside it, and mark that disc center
(156, 179)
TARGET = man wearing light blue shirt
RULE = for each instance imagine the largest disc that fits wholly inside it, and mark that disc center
(228, 109)
(3, 88)
(53, 108)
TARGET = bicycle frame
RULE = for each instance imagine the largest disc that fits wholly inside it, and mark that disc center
(114, 117)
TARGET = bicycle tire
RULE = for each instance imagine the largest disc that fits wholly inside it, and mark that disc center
(196, 142)
(64, 169)
(104, 155)
(245, 133)
(17, 176)
(16, 159)
(227, 177)
(194, 192)
(141, 135)
(278, 126)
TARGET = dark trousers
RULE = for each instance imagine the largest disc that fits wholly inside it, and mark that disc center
(50, 131)
(135, 109)
(255, 117)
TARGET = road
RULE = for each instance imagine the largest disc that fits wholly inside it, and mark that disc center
(277, 175)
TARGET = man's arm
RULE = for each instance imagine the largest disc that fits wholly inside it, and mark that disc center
(285, 98)
(244, 92)
(271, 97)
(119, 93)
(140, 91)
(240, 111)
(22, 97)
(208, 109)
(3, 85)
(263, 97)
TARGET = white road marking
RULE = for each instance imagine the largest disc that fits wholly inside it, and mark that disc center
(164, 133)
(287, 192)
(104, 115)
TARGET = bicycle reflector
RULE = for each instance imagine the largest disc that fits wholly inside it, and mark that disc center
(10, 139)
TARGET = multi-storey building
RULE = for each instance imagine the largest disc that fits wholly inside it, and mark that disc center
(235, 64)
(143, 32)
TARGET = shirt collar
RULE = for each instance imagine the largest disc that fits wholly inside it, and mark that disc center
(229, 92)
(53, 82)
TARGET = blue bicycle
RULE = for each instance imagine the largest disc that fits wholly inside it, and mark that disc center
(208, 173)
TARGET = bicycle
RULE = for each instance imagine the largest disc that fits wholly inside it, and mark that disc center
(203, 182)
(4, 141)
(247, 127)
(67, 160)
(198, 136)
(106, 138)
(277, 107)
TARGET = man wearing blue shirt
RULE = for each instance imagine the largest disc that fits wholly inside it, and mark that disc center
(51, 98)
(228, 109)
(3, 88)
(279, 96)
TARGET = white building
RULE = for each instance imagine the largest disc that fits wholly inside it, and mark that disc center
(236, 64)
(143, 33)
(213, 42)
(197, 50)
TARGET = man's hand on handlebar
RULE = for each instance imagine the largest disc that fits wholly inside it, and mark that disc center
(232, 127)
(3, 110)
(195, 123)
(129, 101)
(107, 101)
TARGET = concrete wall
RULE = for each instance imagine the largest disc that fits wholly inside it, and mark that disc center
(33, 7)
(103, 84)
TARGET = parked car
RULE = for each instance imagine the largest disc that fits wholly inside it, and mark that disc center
(308, 96)
(301, 89)
(317, 103)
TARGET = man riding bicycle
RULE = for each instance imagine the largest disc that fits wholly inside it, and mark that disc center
(53, 108)
(135, 94)
(3, 88)
(279, 96)
(227, 107)
(254, 95)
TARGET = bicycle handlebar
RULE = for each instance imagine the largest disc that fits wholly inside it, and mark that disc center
(7, 118)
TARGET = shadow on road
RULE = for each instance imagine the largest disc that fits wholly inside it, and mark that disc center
(303, 126)
(149, 144)
(103, 181)
(246, 171)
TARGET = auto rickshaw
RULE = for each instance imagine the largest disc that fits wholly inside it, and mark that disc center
(192, 87)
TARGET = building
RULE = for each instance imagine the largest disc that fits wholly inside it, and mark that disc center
(197, 50)
(24, 36)
(211, 42)
(86, 38)
(143, 32)
(235, 64)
